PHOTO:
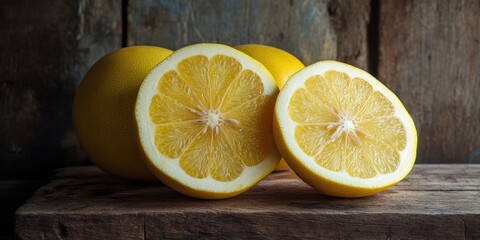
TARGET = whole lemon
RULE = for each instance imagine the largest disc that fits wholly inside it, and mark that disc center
(281, 65)
(103, 110)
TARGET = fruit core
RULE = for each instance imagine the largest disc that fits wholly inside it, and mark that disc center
(345, 124)
(212, 118)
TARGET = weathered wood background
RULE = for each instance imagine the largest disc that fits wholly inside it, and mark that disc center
(427, 52)
(435, 201)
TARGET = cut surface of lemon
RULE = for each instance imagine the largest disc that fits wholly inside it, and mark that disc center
(204, 118)
(342, 131)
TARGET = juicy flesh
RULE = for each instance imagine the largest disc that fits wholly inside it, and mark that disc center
(347, 126)
(212, 117)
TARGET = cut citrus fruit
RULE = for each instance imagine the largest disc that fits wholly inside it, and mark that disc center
(103, 110)
(281, 65)
(204, 118)
(342, 131)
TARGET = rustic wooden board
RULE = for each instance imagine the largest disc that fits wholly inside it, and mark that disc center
(430, 57)
(13, 193)
(433, 202)
(47, 46)
(311, 30)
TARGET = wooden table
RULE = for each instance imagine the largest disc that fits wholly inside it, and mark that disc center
(433, 202)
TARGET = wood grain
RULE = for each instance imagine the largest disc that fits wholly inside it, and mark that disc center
(350, 21)
(430, 57)
(47, 46)
(433, 202)
(312, 30)
(13, 193)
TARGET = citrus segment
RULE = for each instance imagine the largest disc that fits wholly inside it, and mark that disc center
(389, 161)
(307, 108)
(342, 131)
(332, 155)
(204, 120)
(320, 88)
(361, 93)
(173, 139)
(250, 115)
(194, 70)
(245, 87)
(222, 71)
(225, 164)
(174, 87)
(196, 160)
(167, 110)
(387, 130)
(311, 138)
(361, 165)
(251, 145)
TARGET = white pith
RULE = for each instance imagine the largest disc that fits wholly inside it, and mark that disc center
(344, 125)
(212, 118)
(207, 118)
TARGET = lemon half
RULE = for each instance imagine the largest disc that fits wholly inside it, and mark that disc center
(204, 118)
(342, 131)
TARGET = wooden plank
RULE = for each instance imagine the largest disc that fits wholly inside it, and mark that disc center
(430, 57)
(47, 46)
(350, 21)
(13, 193)
(83, 202)
(311, 30)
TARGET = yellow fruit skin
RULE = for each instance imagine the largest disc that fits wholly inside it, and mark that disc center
(281, 64)
(103, 110)
(282, 166)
